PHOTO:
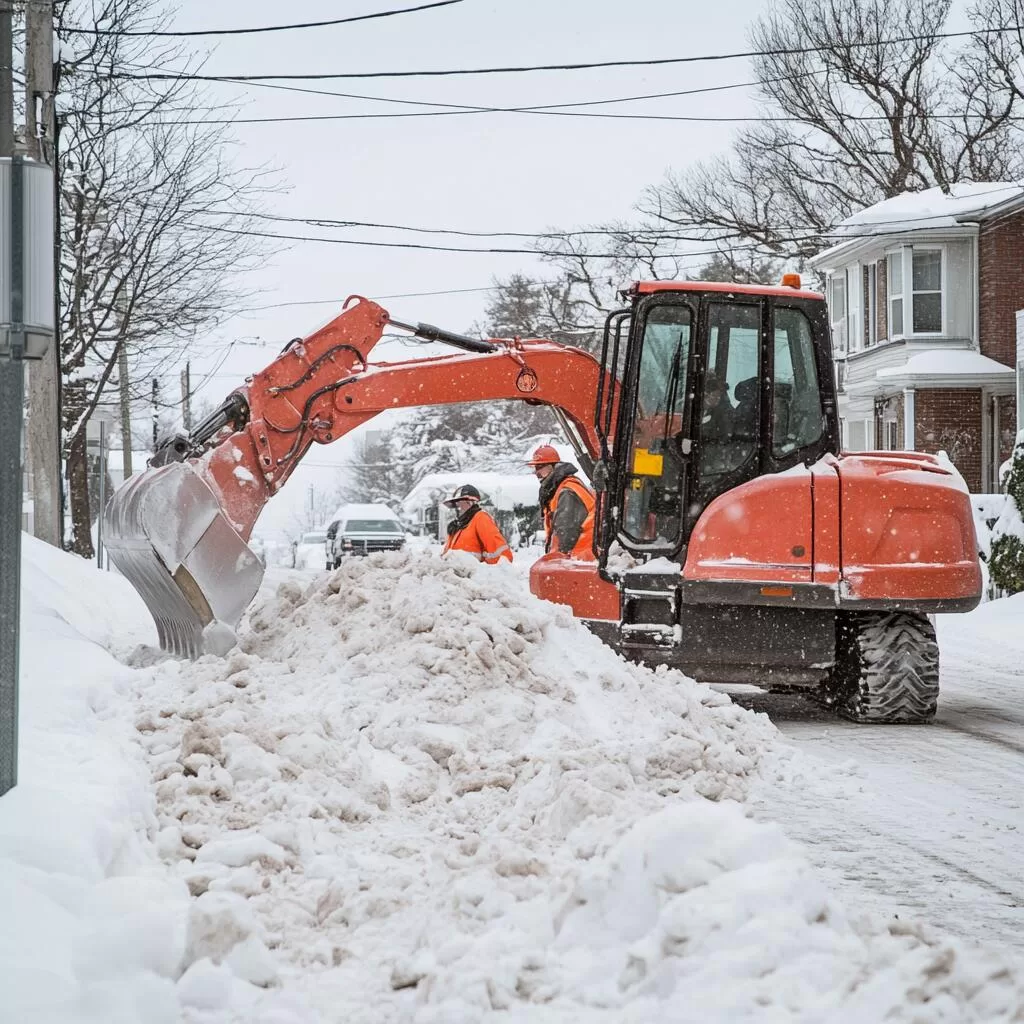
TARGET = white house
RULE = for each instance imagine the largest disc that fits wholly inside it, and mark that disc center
(923, 292)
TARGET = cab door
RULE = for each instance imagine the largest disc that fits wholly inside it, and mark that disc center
(720, 388)
(652, 443)
(731, 394)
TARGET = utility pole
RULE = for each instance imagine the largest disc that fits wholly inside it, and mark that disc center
(186, 398)
(43, 431)
(124, 384)
(26, 332)
(12, 398)
(156, 412)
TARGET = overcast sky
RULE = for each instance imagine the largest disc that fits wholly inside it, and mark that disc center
(477, 172)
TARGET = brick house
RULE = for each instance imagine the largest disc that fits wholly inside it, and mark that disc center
(923, 293)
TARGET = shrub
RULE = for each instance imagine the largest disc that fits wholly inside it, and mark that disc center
(1006, 560)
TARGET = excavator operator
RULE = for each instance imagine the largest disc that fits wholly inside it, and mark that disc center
(567, 503)
(473, 530)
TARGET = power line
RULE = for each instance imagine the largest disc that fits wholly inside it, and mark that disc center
(650, 62)
(641, 235)
(497, 251)
(684, 118)
(460, 107)
(375, 298)
(328, 222)
(262, 28)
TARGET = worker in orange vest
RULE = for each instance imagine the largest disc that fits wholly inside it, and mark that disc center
(567, 503)
(473, 530)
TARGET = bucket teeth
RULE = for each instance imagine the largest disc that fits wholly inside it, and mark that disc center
(168, 536)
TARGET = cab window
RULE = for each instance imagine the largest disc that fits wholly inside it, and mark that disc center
(653, 486)
(797, 417)
(730, 410)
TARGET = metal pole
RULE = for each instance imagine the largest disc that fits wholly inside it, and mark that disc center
(156, 412)
(186, 398)
(103, 493)
(12, 398)
(126, 411)
(43, 428)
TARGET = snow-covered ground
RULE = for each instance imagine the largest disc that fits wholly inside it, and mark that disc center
(416, 793)
(931, 824)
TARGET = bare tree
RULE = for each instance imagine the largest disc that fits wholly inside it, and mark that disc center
(1000, 28)
(376, 474)
(741, 266)
(153, 218)
(856, 112)
(589, 285)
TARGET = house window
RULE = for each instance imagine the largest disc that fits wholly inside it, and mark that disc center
(837, 284)
(915, 291)
(895, 295)
(871, 333)
(927, 284)
(892, 443)
(854, 302)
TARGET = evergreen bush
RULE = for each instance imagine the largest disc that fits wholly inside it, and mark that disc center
(1006, 561)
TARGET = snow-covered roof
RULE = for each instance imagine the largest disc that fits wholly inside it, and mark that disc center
(928, 210)
(504, 490)
(955, 363)
(931, 209)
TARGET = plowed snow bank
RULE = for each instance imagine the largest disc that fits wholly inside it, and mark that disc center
(417, 793)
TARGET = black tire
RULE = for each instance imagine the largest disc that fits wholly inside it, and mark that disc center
(887, 668)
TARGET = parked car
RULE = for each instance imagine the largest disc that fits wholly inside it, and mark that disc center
(361, 530)
(309, 552)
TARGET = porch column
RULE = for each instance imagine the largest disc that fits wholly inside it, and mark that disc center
(909, 435)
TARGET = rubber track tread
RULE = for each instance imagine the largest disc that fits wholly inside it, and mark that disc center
(887, 668)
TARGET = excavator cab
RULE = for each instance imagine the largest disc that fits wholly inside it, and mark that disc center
(718, 387)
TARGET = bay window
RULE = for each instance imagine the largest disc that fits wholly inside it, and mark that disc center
(915, 291)
(896, 294)
(871, 333)
(837, 286)
(927, 283)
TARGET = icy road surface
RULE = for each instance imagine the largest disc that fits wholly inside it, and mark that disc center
(932, 824)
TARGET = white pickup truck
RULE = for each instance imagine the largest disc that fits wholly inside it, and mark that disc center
(361, 530)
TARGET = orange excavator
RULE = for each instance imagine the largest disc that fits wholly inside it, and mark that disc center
(733, 539)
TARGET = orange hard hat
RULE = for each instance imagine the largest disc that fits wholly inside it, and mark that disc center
(545, 455)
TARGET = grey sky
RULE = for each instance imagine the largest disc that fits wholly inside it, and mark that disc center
(487, 172)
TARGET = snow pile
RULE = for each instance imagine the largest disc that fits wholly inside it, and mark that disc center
(93, 924)
(416, 793)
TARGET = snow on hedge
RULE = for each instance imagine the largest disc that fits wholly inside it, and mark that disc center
(416, 793)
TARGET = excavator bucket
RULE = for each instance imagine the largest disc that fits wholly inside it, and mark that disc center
(169, 537)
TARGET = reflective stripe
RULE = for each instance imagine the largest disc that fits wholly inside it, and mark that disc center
(495, 554)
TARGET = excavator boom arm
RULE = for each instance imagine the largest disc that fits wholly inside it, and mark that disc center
(308, 396)
(179, 531)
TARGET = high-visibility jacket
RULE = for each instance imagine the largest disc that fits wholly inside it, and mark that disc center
(481, 538)
(584, 546)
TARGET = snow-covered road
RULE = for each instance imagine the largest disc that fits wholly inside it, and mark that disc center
(931, 823)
